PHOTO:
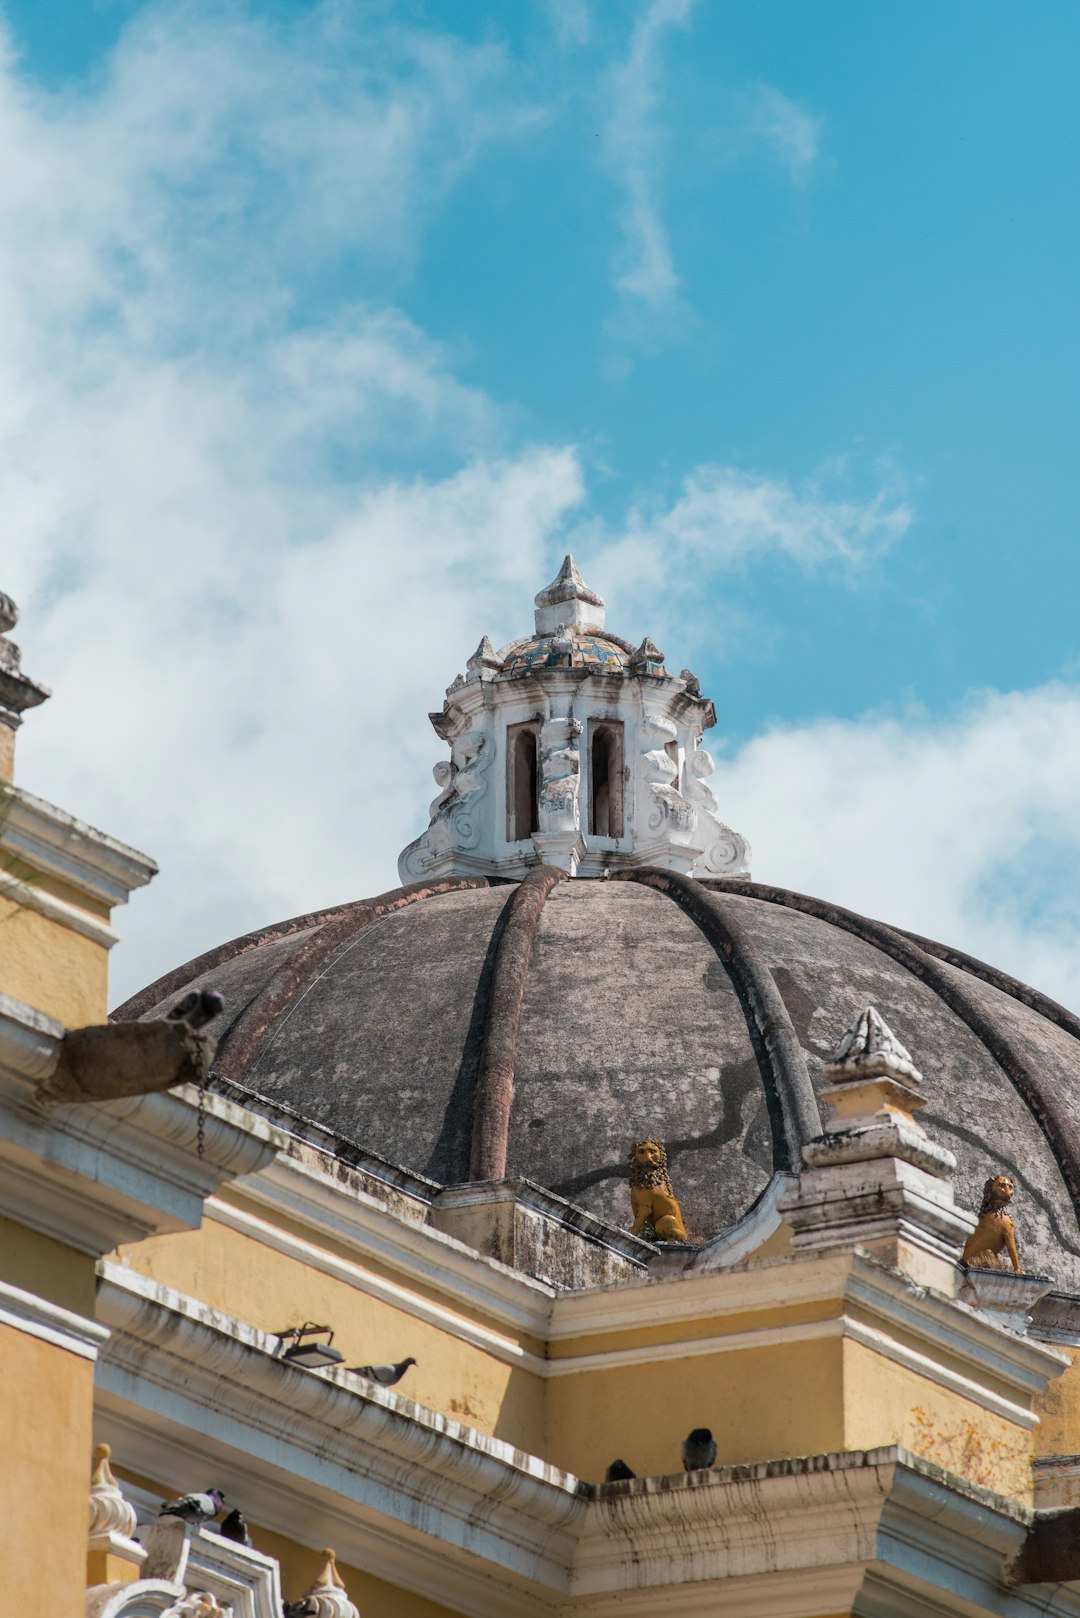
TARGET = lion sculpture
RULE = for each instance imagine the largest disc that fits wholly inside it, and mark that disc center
(994, 1236)
(656, 1213)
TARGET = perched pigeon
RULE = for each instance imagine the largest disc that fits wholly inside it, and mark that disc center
(618, 1472)
(699, 1450)
(235, 1527)
(299, 1609)
(194, 1507)
(384, 1375)
(197, 1008)
(691, 682)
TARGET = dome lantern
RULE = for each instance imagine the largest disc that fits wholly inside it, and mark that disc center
(573, 748)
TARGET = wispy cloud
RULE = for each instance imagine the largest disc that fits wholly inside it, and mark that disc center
(724, 518)
(633, 148)
(786, 129)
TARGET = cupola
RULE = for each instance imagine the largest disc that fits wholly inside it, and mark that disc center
(575, 748)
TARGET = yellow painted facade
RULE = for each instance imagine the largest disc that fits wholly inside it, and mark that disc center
(46, 1418)
(49, 1268)
(51, 967)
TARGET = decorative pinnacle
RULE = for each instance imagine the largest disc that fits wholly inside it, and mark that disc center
(870, 1050)
(568, 600)
(17, 691)
(327, 1597)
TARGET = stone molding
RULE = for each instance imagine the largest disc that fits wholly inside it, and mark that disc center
(26, 1312)
(467, 1521)
(28, 897)
(368, 1230)
(96, 1175)
(54, 842)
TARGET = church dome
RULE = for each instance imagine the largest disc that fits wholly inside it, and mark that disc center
(481, 1022)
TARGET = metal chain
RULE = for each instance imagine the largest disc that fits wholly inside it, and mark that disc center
(200, 1116)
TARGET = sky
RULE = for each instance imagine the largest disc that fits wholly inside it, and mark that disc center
(327, 329)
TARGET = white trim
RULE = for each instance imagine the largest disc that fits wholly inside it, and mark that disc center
(880, 1343)
(53, 909)
(37, 1317)
(94, 1175)
(54, 841)
(695, 1347)
(376, 1286)
(29, 1039)
(750, 1232)
(364, 1223)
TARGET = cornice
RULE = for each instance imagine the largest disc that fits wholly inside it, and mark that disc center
(515, 1301)
(356, 1274)
(29, 1040)
(53, 841)
(26, 1312)
(466, 1520)
(28, 897)
(303, 1449)
(99, 1174)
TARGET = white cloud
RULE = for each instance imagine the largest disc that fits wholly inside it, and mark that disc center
(667, 558)
(789, 131)
(633, 145)
(962, 828)
(236, 567)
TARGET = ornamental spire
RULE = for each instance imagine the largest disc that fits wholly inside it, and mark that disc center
(17, 691)
(568, 601)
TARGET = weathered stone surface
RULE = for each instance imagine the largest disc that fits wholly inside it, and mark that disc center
(631, 1027)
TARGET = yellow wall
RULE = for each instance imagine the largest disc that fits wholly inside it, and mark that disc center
(52, 968)
(1058, 1432)
(46, 1397)
(761, 1403)
(47, 1268)
(271, 1290)
(885, 1403)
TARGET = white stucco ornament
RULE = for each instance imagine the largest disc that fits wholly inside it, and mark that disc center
(110, 1513)
(576, 748)
(328, 1597)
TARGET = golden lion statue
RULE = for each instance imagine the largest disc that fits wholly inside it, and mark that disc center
(994, 1235)
(656, 1213)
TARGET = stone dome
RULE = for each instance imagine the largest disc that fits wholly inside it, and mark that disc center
(699, 1012)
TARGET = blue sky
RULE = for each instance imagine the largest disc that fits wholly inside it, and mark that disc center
(330, 327)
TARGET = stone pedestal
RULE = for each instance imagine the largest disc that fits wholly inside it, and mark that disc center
(1004, 1296)
(875, 1179)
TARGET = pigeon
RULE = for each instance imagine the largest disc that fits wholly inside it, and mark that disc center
(699, 1450)
(194, 1507)
(384, 1375)
(197, 1008)
(304, 1608)
(235, 1527)
(691, 682)
(618, 1472)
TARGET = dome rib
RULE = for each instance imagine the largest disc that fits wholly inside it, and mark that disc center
(1056, 1125)
(239, 1048)
(789, 1092)
(494, 1091)
(1052, 1010)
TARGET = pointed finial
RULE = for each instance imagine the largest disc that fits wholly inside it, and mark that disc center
(648, 659)
(869, 1049)
(327, 1597)
(483, 664)
(17, 691)
(110, 1513)
(568, 600)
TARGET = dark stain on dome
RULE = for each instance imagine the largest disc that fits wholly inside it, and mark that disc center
(698, 1013)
